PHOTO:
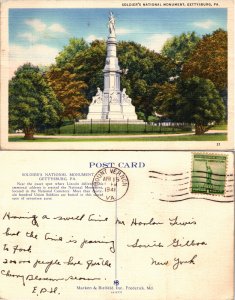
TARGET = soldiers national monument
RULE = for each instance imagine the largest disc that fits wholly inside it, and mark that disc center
(112, 103)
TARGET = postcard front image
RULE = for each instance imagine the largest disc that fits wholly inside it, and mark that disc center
(118, 77)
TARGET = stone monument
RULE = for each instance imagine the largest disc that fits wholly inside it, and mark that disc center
(112, 103)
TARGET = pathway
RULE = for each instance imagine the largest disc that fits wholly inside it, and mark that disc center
(114, 136)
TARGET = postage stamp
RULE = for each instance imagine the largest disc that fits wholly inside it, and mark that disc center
(110, 184)
(209, 173)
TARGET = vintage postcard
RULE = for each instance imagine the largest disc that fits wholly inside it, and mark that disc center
(101, 75)
(149, 225)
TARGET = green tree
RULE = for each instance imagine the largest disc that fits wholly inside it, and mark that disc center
(166, 100)
(69, 51)
(32, 103)
(89, 65)
(145, 69)
(194, 100)
(180, 47)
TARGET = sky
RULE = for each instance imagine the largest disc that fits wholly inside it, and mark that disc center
(38, 35)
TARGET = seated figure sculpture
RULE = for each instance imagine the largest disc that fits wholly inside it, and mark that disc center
(98, 97)
(125, 97)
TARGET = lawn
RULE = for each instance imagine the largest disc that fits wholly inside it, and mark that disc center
(220, 127)
(205, 137)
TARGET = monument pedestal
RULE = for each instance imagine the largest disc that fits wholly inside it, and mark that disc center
(95, 111)
(110, 121)
(115, 111)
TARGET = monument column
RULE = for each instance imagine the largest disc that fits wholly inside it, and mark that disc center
(112, 94)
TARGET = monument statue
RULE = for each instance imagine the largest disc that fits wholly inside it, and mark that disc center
(98, 97)
(125, 97)
(111, 24)
(112, 103)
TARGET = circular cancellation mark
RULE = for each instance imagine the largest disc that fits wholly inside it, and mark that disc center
(110, 184)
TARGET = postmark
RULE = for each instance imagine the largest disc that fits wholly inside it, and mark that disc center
(110, 184)
(208, 173)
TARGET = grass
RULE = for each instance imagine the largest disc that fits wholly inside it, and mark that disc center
(220, 127)
(206, 137)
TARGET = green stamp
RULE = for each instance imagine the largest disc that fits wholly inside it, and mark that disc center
(209, 173)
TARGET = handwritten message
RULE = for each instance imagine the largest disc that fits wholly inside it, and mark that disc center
(45, 260)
